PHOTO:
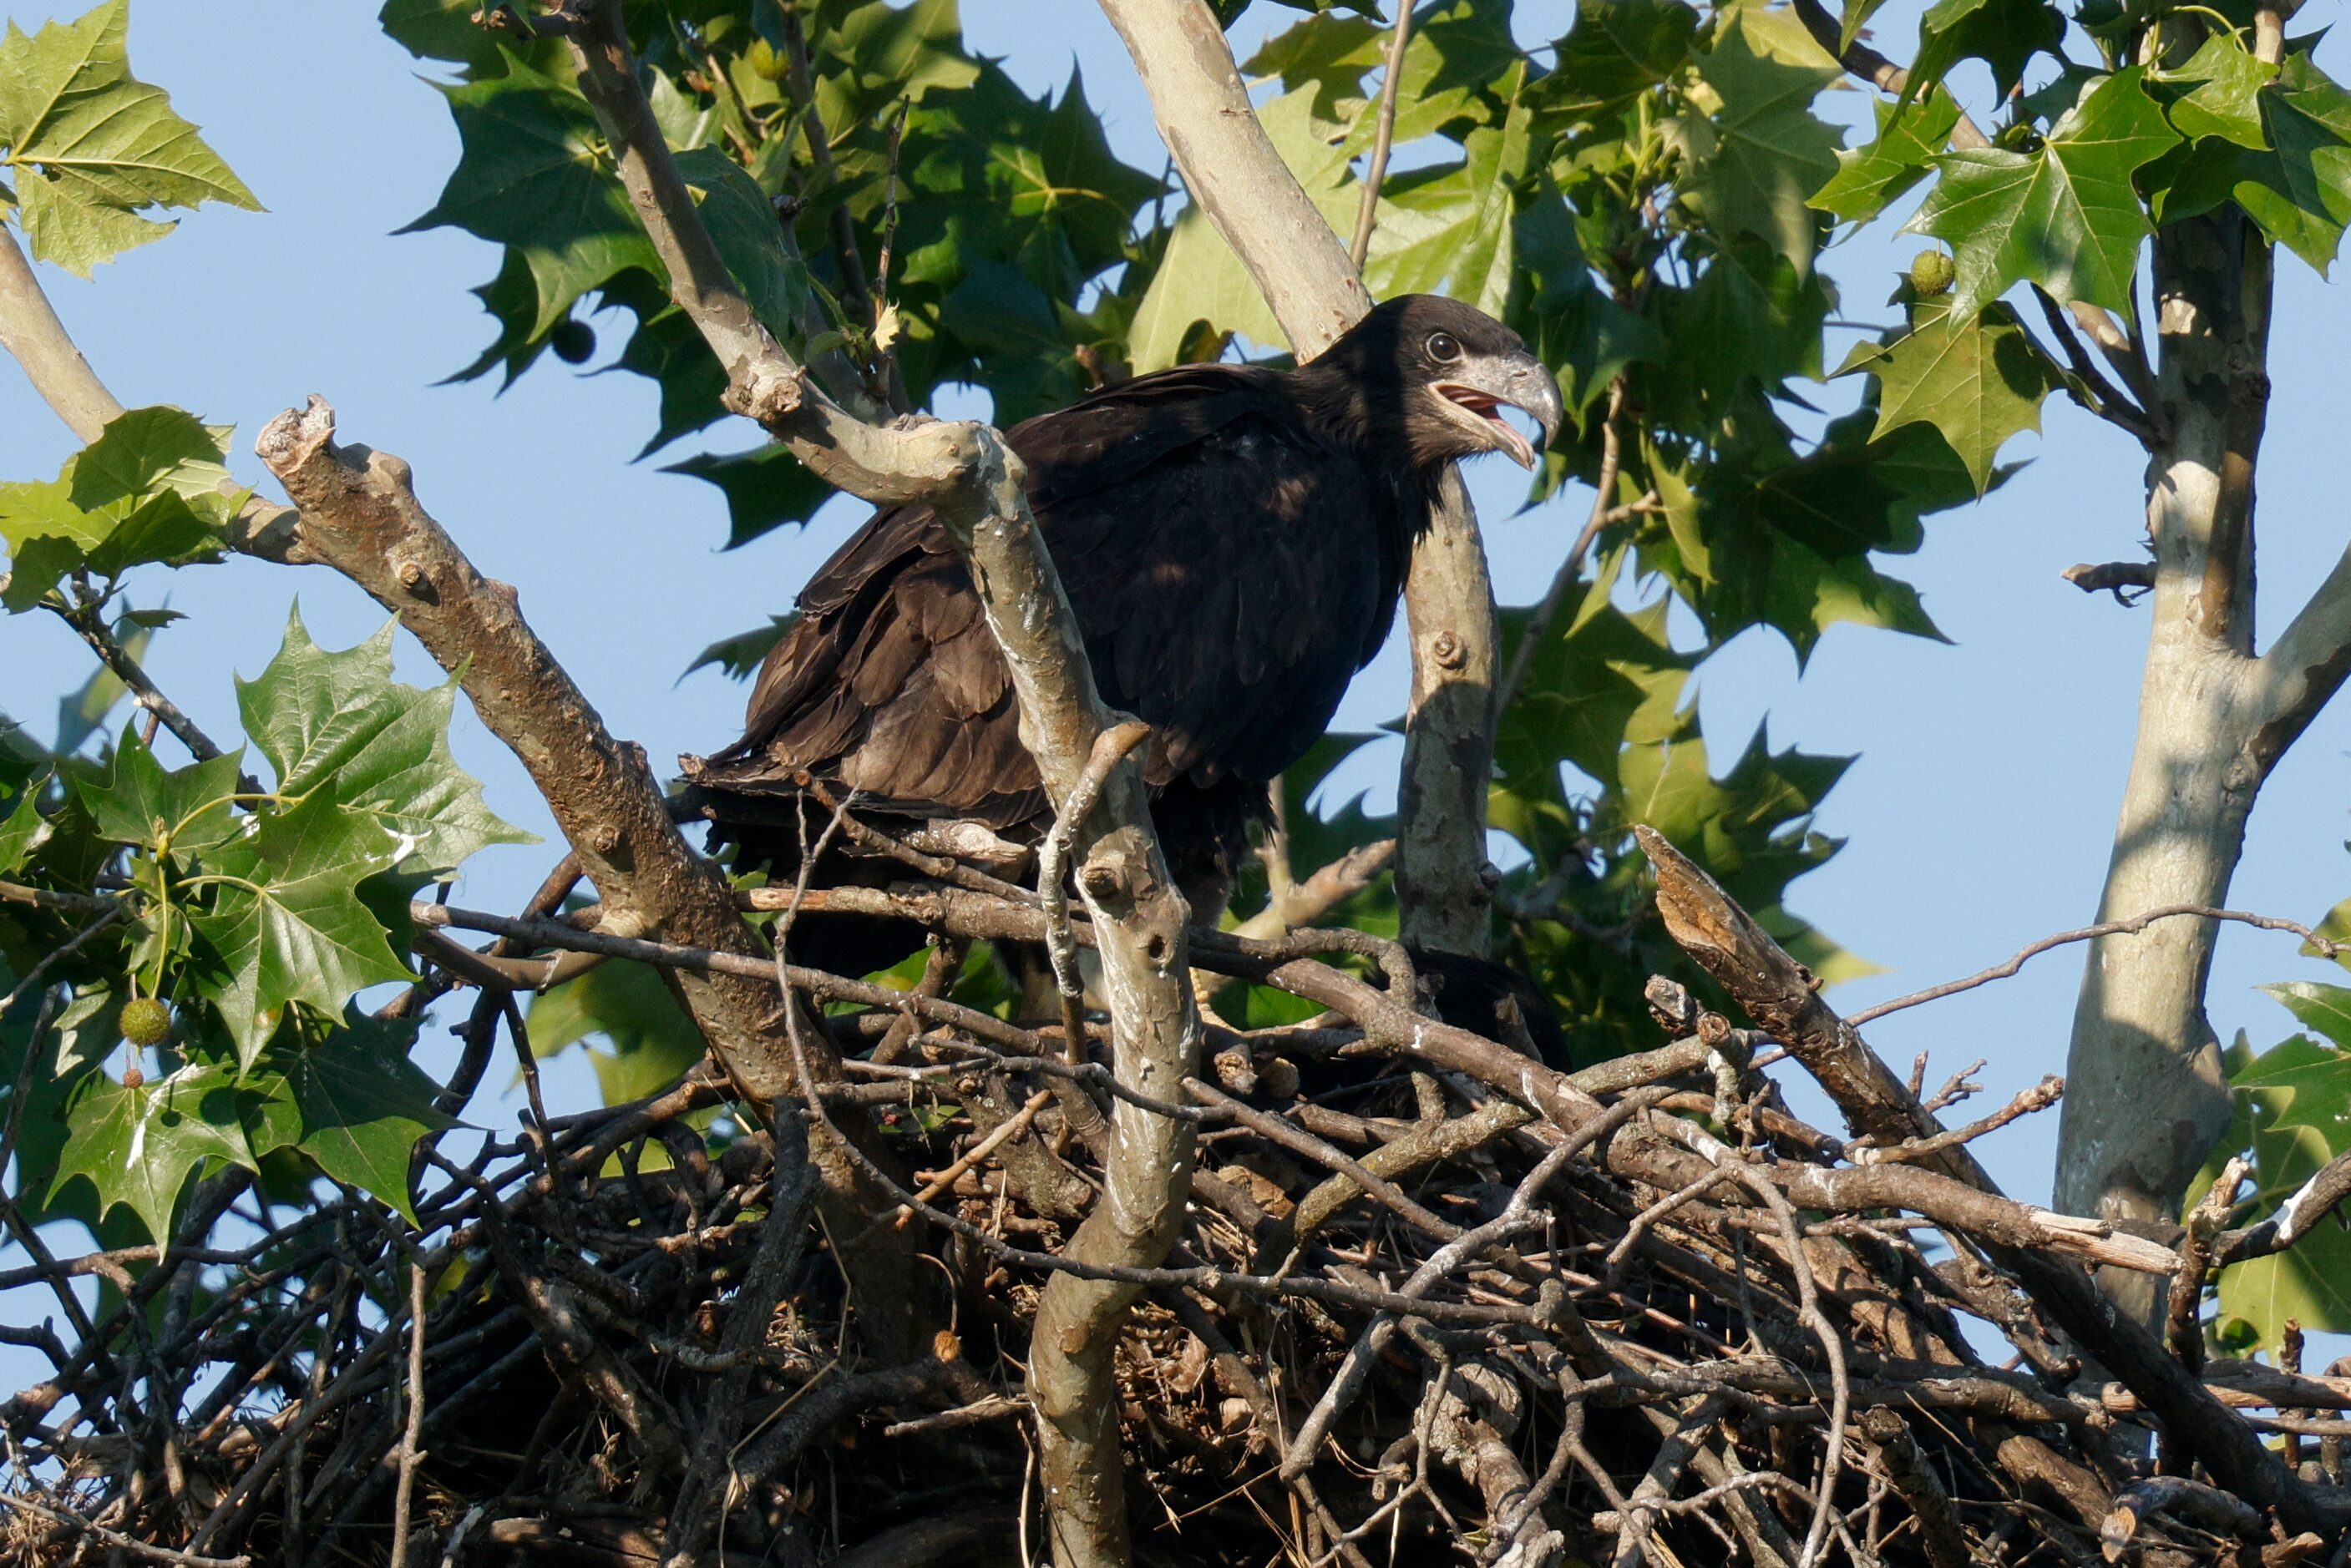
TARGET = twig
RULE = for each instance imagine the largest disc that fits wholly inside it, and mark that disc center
(38, 973)
(84, 619)
(36, 339)
(1384, 134)
(1349, 1379)
(115, 1540)
(1604, 510)
(2095, 392)
(1012, 1126)
(2002, 970)
(2129, 581)
(2295, 1217)
(2039, 1098)
(1915, 1479)
(410, 1451)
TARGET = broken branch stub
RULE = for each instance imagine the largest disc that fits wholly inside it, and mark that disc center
(1777, 992)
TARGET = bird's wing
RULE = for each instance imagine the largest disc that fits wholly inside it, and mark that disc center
(1224, 570)
(1228, 592)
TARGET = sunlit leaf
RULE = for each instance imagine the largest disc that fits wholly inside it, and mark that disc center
(93, 148)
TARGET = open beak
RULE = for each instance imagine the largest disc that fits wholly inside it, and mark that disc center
(1474, 396)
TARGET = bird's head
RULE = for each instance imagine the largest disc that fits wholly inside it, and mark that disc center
(1437, 374)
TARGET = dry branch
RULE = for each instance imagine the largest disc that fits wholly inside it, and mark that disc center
(975, 486)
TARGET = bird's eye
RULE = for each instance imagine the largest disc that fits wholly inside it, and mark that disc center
(1443, 348)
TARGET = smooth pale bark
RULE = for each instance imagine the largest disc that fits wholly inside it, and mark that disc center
(2146, 1094)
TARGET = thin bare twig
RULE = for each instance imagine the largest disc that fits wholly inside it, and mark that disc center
(1382, 135)
(2324, 947)
(410, 1451)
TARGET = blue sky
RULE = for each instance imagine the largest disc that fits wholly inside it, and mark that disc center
(1979, 814)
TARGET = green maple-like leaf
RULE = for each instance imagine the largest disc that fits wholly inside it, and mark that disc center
(338, 726)
(148, 490)
(2294, 1113)
(1618, 50)
(287, 925)
(2297, 183)
(1200, 279)
(2223, 98)
(534, 176)
(1976, 380)
(2003, 33)
(2326, 1008)
(184, 810)
(765, 488)
(2064, 216)
(1751, 314)
(353, 1102)
(742, 224)
(1764, 152)
(1909, 134)
(144, 454)
(138, 1145)
(22, 831)
(93, 148)
(648, 1039)
(742, 653)
(1456, 231)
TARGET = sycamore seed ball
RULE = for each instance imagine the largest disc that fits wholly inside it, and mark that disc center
(1931, 272)
(145, 1022)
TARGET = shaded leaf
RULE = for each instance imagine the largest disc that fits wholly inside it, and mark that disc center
(287, 925)
(743, 226)
(353, 1102)
(1618, 50)
(2003, 33)
(533, 177)
(765, 488)
(138, 1146)
(741, 654)
(2298, 189)
(647, 1039)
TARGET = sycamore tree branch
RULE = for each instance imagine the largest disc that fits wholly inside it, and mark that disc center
(2304, 668)
(36, 340)
(359, 515)
(31, 332)
(975, 484)
(1316, 290)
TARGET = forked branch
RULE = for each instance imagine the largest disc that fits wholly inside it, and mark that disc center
(976, 485)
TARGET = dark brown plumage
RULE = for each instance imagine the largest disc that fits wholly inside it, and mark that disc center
(1232, 539)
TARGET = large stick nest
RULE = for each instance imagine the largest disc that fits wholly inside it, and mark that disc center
(1432, 1301)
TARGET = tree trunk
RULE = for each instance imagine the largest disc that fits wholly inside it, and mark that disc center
(2145, 1094)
